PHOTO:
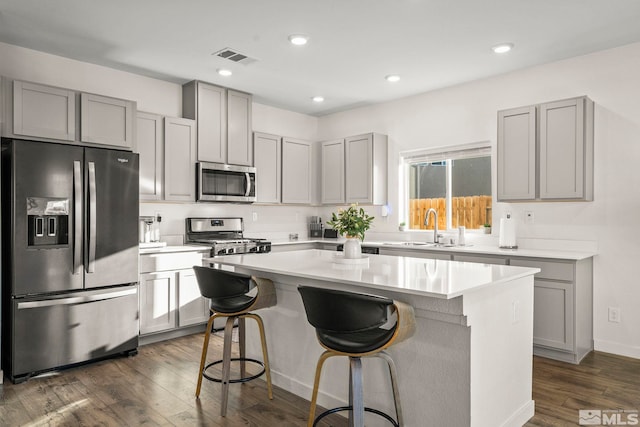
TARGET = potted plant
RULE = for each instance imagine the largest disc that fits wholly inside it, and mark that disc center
(402, 226)
(352, 224)
(487, 228)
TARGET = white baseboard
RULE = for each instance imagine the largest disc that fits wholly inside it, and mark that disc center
(304, 390)
(617, 348)
(522, 415)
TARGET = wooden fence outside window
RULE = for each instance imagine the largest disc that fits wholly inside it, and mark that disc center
(470, 212)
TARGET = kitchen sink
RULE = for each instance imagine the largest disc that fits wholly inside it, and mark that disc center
(425, 244)
(409, 243)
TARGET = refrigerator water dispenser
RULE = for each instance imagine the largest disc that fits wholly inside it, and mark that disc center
(48, 222)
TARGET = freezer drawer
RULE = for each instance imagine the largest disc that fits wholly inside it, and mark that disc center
(72, 328)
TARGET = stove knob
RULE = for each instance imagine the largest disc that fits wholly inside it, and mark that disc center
(222, 251)
(254, 249)
(231, 251)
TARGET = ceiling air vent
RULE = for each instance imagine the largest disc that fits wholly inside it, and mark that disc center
(234, 55)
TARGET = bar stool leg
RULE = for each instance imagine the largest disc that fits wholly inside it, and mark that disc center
(394, 385)
(265, 354)
(226, 364)
(242, 346)
(356, 386)
(203, 358)
(316, 382)
(351, 423)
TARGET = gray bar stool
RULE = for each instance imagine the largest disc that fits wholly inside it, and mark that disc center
(234, 296)
(351, 324)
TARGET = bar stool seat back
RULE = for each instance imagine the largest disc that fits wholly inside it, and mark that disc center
(234, 296)
(356, 325)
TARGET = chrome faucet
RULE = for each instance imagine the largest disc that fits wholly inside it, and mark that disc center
(436, 238)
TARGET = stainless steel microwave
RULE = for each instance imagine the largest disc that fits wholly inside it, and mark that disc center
(225, 183)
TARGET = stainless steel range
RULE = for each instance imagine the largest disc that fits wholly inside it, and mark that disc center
(224, 235)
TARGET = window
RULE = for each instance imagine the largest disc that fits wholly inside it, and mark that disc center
(455, 181)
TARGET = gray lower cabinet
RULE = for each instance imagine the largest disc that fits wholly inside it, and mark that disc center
(170, 300)
(179, 159)
(193, 309)
(563, 299)
(563, 308)
(150, 146)
(157, 302)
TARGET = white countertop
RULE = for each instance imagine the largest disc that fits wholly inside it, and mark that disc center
(176, 248)
(418, 276)
(471, 249)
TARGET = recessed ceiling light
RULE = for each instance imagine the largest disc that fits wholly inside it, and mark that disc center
(224, 72)
(318, 99)
(298, 39)
(502, 48)
(392, 78)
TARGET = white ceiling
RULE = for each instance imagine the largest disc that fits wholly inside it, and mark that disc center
(353, 44)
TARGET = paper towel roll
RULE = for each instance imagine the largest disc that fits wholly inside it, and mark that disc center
(507, 233)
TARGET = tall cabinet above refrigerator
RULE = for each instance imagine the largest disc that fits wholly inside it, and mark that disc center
(69, 255)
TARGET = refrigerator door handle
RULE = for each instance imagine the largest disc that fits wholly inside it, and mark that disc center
(248, 184)
(77, 216)
(92, 218)
(78, 299)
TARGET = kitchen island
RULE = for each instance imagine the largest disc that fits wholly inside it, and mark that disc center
(468, 364)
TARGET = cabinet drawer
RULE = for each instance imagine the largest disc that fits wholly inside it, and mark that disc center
(549, 269)
(169, 261)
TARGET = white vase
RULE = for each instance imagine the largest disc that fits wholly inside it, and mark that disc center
(352, 249)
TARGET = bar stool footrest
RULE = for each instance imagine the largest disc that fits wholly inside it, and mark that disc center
(350, 408)
(235, 380)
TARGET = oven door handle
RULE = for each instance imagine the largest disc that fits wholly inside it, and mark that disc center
(247, 184)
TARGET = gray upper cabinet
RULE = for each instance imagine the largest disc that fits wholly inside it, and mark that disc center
(106, 120)
(268, 163)
(43, 111)
(517, 154)
(297, 170)
(545, 152)
(150, 146)
(223, 122)
(366, 169)
(239, 147)
(566, 150)
(332, 174)
(180, 159)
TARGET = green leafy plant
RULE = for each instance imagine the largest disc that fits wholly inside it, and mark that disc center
(351, 222)
(403, 224)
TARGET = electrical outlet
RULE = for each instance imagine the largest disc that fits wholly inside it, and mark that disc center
(255, 216)
(528, 217)
(614, 314)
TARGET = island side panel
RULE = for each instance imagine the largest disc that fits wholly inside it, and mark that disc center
(501, 322)
(433, 365)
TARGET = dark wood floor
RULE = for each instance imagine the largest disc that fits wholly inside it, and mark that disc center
(156, 387)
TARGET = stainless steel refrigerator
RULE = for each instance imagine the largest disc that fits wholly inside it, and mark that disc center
(69, 255)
